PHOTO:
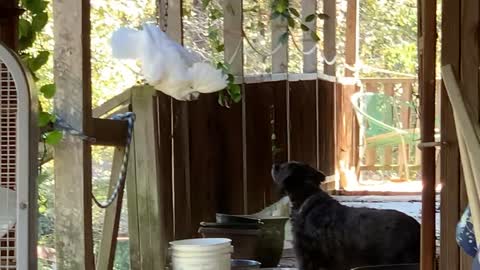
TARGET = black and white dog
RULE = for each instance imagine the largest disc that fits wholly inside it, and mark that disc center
(331, 236)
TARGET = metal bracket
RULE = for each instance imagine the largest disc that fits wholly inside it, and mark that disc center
(430, 144)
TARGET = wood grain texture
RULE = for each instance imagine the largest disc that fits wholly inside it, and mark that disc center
(259, 103)
(73, 206)
(309, 60)
(150, 192)
(162, 103)
(108, 243)
(216, 160)
(351, 35)
(326, 127)
(330, 36)
(132, 204)
(303, 123)
(427, 112)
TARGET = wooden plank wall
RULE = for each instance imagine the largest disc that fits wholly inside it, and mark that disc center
(460, 48)
(219, 150)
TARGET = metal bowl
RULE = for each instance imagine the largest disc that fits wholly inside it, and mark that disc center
(238, 264)
(225, 218)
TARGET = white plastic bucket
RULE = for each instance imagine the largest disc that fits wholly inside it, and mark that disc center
(201, 254)
(218, 262)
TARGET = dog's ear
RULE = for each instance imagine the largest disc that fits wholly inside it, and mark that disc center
(319, 177)
(282, 176)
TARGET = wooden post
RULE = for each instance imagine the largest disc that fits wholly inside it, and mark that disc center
(330, 36)
(133, 210)
(280, 65)
(171, 20)
(108, 244)
(427, 122)
(309, 61)
(405, 113)
(348, 134)
(351, 36)
(371, 152)
(150, 209)
(233, 55)
(280, 58)
(9, 13)
(388, 91)
(73, 205)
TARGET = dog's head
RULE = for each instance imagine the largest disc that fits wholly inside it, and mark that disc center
(296, 178)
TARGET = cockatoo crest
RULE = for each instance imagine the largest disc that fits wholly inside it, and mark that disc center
(166, 65)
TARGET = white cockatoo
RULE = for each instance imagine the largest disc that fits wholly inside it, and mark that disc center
(8, 213)
(166, 65)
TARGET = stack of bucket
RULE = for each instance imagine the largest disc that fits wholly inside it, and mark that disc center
(201, 253)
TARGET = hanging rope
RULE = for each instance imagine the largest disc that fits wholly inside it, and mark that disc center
(130, 118)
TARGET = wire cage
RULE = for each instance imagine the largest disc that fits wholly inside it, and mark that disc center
(18, 164)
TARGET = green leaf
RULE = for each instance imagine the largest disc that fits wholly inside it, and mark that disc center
(53, 137)
(24, 28)
(220, 48)
(35, 6)
(281, 6)
(235, 92)
(215, 14)
(41, 178)
(44, 118)
(26, 41)
(310, 18)
(314, 36)
(205, 3)
(39, 21)
(39, 61)
(283, 38)
(291, 22)
(304, 27)
(48, 90)
(294, 12)
(322, 16)
(230, 78)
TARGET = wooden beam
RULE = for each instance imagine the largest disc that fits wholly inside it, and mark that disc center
(108, 244)
(351, 36)
(309, 61)
(150, 193)
(280, 65)
(330, 36)
(133, 210)
(233, 38)
(72, 68)
(113, 103)
(280, 57)
(450, 207)
(172, 16)
(233, 54)
(427, 122)
(109, 132)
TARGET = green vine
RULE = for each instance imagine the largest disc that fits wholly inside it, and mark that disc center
(279, 9)
(232, 93)
(33, 22)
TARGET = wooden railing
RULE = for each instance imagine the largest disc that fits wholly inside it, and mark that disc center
(390, 157)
